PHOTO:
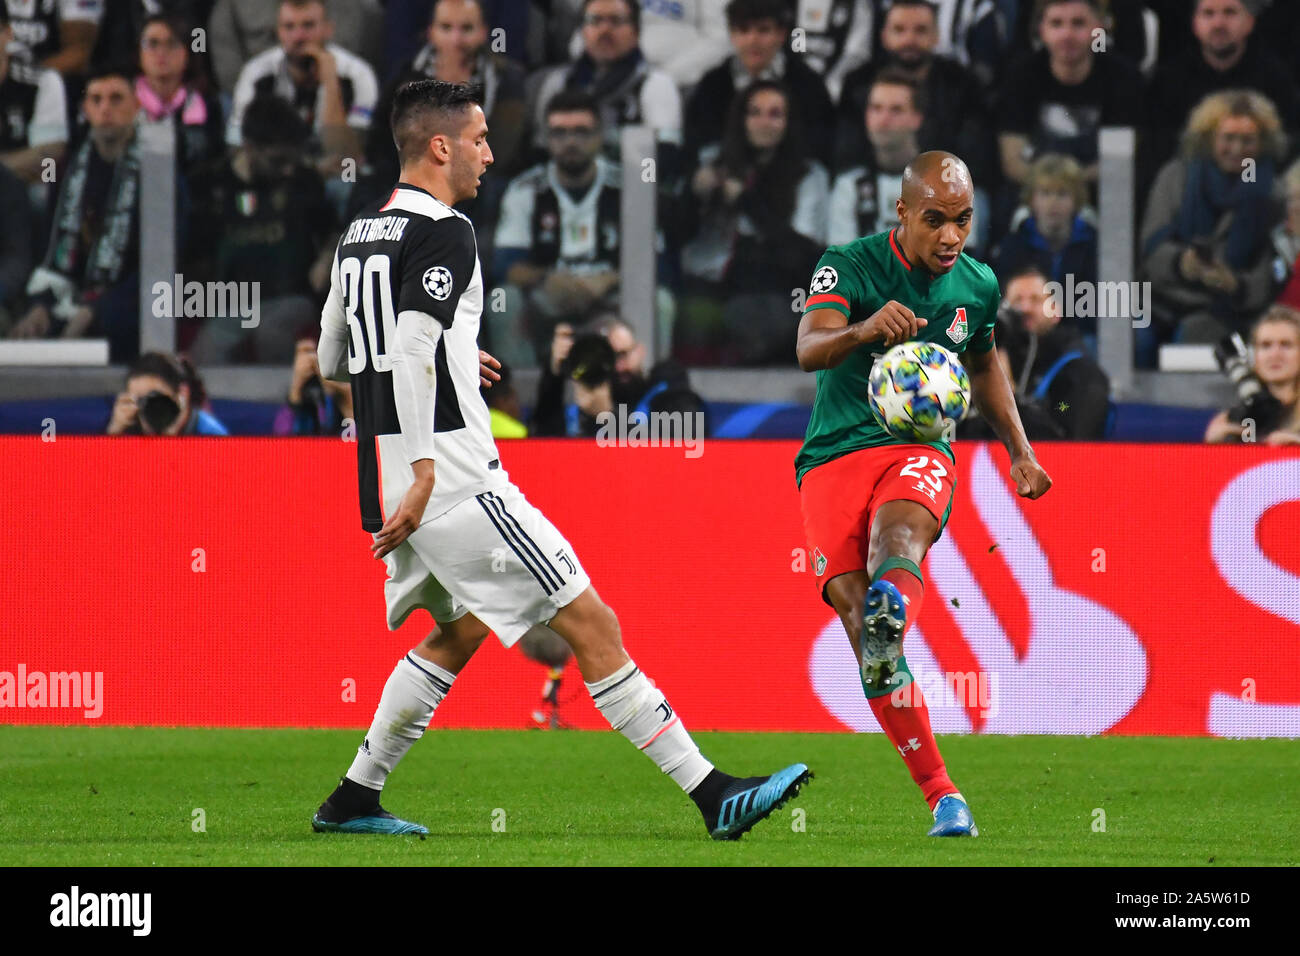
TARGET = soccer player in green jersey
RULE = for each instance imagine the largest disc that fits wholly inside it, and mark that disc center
(872, 504)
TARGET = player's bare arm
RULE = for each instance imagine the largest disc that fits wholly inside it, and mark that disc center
(991, 392)
(826, 337)
(401, 524)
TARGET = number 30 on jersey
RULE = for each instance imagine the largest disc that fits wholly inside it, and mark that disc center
(365, 341)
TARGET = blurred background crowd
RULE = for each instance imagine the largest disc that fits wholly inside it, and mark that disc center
(780, 126)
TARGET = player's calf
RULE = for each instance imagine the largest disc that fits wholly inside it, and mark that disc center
(418, 684)
(640, 712)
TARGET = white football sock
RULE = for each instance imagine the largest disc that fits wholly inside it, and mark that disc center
(638, 710)
(413, 692)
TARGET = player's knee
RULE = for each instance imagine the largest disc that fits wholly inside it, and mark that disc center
(463, 635)
(893, 539)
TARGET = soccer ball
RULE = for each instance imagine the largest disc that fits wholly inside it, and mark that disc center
(919, 391)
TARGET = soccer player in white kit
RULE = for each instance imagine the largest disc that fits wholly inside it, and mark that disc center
(458, 539)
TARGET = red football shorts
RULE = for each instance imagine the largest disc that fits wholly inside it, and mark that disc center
(839, 500)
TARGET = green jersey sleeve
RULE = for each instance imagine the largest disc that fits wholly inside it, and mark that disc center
(982, 339)
(840, 283)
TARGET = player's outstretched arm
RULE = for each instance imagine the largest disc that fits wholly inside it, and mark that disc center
(992, 394)
(826, 337)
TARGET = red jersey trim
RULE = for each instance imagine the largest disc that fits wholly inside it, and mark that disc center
(894, 245)
(826, 297)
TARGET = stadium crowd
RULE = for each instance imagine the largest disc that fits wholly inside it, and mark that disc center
(781, 126)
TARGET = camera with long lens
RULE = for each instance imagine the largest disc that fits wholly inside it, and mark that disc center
(159, 411)
(1254, 400)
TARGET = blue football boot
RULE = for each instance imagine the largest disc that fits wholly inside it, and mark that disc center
(746, 802)
(952, 818)
(883, 619)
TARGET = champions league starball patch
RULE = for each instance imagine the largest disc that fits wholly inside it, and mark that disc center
(437, 282)
(824, 279)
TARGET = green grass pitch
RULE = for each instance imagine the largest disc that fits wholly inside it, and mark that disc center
(124, 796)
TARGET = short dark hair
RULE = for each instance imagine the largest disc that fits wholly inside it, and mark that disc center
(573, 101)
(174, 370)
(177, 26)
(1024, 272)
(633, 10)
(108, 70)
(590, 361)
(424, 108)
(743, 13)
(913, 5)
(271, 120)
(1042, 6)
(892, 76)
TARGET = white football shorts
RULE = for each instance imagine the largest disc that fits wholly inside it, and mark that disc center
(494, 555)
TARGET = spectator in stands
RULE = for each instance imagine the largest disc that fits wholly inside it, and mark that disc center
(58, 36)
(334, 91)
(15, 246)
(33, 113)
(124, 20)
(1286, 242)
(406, 21)
(613, 70)
(684, 38)
(1055, 100)
(762, 226)
(1275, 412)
(759, 30)
(557, 241)
(239, 30)
(604, 376)
(265, 224)
(1133, 28)
(1224, 57)
(955, 115)
(834, 38)
(1205, 236)
(87, 283)
(864, 196)
(1046, 359)
(317, 405)
(167, 93)
(457, 52)
(1051, 234)
(163, 396)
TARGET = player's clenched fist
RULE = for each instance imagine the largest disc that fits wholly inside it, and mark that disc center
(1030, 478)
(894, 323)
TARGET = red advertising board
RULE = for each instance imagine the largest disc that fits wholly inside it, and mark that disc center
(206, 582)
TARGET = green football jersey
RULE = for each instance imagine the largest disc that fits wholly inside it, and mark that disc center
(857, 279)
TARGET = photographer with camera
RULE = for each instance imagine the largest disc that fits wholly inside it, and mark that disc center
(162, 397)
(1060, 390)
(1268, 386)
(317, 405)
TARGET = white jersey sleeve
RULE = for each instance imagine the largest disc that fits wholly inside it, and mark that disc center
(49, 112)
(332, 351)
(436, 270)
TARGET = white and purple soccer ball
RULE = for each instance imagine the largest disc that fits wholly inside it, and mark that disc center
(919, 391)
